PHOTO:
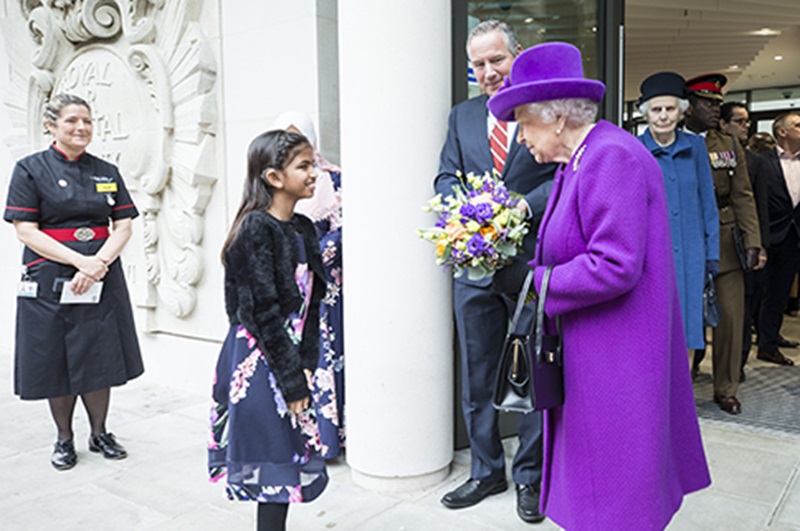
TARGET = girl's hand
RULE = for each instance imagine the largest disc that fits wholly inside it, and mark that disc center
(298, 406)
(92, 266)
(80, 283)
(309, 379)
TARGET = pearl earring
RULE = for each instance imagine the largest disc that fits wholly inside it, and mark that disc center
(558, 131)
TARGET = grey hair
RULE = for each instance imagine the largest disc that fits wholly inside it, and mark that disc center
(53, 108)
(578, 111)
(780, 122)
(683, 104)
(487, 26)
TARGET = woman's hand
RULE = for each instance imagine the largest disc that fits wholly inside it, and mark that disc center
(298, 406)
(80, 283)
(92, 266)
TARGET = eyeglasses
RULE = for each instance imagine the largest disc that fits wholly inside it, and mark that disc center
(742, 121)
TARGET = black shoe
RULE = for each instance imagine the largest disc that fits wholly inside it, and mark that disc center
(787, 343)
(108, 446)
(64, 456)
(472, 492)
(528, 504)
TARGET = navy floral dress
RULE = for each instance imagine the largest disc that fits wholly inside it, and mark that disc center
(266, 453)
(329, 376)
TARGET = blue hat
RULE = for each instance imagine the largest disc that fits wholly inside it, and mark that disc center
(663, 84)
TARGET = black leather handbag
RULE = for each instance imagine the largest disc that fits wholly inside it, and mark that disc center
(530, 379)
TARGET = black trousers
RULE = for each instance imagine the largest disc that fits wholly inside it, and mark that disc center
(783, 262)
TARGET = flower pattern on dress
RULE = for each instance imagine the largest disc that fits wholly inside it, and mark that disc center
(240, 380)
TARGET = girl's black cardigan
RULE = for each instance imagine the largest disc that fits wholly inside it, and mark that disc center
(261, 292)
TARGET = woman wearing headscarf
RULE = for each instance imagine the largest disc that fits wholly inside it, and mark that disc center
(693, 215)
(325, 210)
(625, 447)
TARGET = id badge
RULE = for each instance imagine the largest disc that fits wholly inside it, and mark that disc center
(27, 289)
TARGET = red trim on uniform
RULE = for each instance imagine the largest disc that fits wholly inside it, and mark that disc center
(123, 207)
(39, 261)
(68, 235)
(706, 86)
(67, 156)
(23, 209)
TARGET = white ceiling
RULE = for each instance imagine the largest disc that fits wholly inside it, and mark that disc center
(694, 37)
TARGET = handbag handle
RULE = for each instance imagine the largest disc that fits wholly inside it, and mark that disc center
(521, 301)
(539, 326)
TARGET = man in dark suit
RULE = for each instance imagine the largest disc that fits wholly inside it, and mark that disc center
(737, 213)
(477, 142)
(782, 175)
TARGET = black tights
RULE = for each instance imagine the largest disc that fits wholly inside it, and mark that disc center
(272, 516)
(96, 405)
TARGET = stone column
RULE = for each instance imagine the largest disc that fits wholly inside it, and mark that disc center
(395, 97)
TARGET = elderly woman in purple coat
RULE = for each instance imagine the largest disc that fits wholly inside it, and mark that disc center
(693, 215)
(625, 447)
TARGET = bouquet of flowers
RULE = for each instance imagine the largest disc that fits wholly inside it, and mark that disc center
(479, 227)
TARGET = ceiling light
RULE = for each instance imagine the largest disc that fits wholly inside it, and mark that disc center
(541, 31)
(528, 20)
(779, 58)
(765, 32)
(733, 67)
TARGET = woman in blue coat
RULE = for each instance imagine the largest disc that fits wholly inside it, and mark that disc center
(693, 215)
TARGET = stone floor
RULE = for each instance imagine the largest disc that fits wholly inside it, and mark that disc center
(162, 485)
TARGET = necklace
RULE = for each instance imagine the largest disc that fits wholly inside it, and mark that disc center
(577, 157)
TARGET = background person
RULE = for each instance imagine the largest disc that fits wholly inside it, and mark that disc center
(264, 434)
(735, 121)
(625, 447)
(737, 211)
(782, 176)
(324, 209)
(61, 201)
(477, 142)
(693, 219)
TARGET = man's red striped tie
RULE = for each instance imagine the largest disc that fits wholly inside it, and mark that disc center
(498, 142)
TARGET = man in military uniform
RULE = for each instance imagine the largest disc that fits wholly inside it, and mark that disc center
(738, 221)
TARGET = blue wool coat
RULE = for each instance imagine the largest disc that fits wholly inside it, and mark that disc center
(693, 222)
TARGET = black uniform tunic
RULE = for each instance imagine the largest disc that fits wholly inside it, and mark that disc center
(71, 349)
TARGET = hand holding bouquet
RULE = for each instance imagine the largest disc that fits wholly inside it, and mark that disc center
(479, 227)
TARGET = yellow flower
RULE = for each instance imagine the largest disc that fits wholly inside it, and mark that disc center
(441, 246)
(487, 232)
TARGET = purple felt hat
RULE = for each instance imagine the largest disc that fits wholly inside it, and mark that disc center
(548, 71)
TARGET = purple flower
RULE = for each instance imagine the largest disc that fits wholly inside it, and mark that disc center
(467, 210)
(442, 221)
(477, 246)
(483, 212)
(500, 194)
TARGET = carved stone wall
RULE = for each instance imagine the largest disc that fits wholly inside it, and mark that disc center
(150, 75)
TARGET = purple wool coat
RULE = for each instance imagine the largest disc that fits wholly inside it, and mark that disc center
(625, 447)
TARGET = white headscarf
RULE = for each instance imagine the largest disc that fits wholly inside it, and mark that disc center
(326, 202)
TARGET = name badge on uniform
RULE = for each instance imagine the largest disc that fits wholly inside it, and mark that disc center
(105, 188)
(27, 289)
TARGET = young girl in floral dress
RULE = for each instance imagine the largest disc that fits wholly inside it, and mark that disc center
(264, 434)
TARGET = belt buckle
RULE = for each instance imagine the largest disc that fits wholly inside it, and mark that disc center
(84, 234)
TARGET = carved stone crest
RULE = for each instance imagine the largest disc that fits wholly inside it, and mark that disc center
(148, 72)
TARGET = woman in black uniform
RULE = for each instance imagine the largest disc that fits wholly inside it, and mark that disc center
(60, 201)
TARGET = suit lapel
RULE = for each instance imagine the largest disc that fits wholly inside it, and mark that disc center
(777, 170)
(477, 132)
